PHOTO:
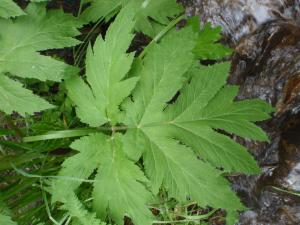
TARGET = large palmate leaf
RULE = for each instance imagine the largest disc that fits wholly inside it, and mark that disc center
(151, 14)
(22, 38)
(158, 132)
(204, 104)
(106, 67)
(169, 110)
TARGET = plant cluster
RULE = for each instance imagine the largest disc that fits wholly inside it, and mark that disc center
(147, 129)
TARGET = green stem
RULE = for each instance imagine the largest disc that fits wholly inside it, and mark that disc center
(187, 219)
(60, 134)
(161, 34)
(286, 191)
(71, 133)
(80, 9)
(28, 175)
(80, 52)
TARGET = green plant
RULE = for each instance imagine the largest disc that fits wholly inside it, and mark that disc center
(21, 39)
(151, 122)
(168, 137)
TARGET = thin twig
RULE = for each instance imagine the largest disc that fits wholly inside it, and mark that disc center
(25, 174)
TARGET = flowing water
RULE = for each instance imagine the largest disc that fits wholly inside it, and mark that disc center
(266, 37)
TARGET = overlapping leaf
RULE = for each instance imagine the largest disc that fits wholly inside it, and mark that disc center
(75, 170)
(205, 105)
(8, 8)
(21, 39)
(120, 176)
(167, 161)
(151, 14)
(106, 67)
(164, 131)
(113, 187)
(16, 98)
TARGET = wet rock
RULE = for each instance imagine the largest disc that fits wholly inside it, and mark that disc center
(266, 65)
(249, 187)
(241, 17)
(287, 174)
(275, 209)
(268, 205)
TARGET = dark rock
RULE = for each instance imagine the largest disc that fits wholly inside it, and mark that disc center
(266, 65)
(69, 6)
(275, 209)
